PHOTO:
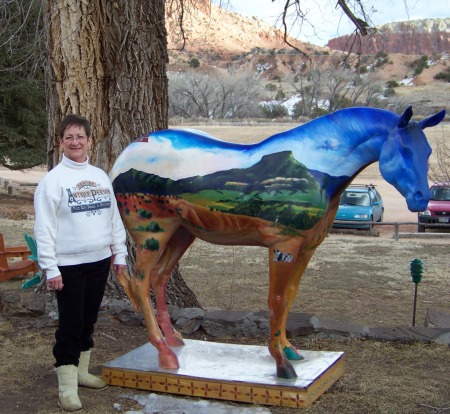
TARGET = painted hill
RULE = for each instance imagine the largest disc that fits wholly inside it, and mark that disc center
(275, 172)
(277, 188)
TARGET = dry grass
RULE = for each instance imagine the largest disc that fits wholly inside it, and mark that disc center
(383, 377)
(364, 280)
(380, 377)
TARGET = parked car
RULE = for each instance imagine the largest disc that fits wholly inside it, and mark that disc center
(438, 209)
(360, 206)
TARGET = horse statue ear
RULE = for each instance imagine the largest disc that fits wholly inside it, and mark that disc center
(432, 120)
(406, 117)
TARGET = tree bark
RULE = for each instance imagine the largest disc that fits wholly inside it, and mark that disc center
(107, 61)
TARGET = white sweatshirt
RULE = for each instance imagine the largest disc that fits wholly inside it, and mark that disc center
(76, 218)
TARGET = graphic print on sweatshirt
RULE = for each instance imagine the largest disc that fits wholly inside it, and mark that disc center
(89, 197)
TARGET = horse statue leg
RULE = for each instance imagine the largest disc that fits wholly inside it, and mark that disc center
(137, 288)
(175, 248)
(286, 267)
(295, 278)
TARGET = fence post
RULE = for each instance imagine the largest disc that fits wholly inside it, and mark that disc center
(396, 231)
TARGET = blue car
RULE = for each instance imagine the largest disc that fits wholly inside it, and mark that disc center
(359, 207)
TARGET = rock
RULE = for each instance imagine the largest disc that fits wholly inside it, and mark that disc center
(122, 310)
(417, 37)
(239, 324)
(116, 306)
(189, 320)
(443, 339)
(339, 329)
(408, 334)
(436, 319)
(23, 305)
(174, 312)
(39, 310)
(298, 324)
(129, 319)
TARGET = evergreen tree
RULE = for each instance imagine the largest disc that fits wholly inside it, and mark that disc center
(23, 119)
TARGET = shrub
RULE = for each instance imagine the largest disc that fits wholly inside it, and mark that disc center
(361, 69)
(274, 111)
(392, 84)
(381, 55)
(420, 65)
(316, 112)
(280, 95)
(381, 61)
(271, 87)
(389, 92)
(445, 76)
(344, 103)
(194, 63)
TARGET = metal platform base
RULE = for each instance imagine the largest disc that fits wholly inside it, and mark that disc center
(244, 373)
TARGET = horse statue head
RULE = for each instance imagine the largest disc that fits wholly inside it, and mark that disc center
(404, 159)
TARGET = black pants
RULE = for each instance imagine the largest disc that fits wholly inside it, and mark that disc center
(78, 305)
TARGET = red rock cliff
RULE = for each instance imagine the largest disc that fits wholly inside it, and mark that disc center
(418, 37)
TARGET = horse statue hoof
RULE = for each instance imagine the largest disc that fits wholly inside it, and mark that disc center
(286, 372)
(174, 342)
(168, 361)
(292, 354)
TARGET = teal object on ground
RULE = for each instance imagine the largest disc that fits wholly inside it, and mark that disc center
(416, 268)
(31, 243)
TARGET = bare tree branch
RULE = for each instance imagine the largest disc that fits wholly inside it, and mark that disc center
(361, 25)
(285, 27)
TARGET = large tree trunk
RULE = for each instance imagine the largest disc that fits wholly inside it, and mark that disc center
(107, 61)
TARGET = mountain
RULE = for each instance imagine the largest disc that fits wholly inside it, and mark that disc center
(223, 42)
(211, 30)
(220, 40)
(417, 37)
(221, 34)
(274, 172)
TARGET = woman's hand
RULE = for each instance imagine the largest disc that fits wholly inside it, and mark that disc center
(55, 283)
(119, 268)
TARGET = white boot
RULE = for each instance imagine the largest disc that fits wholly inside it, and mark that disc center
(84, 378)
(68, 388)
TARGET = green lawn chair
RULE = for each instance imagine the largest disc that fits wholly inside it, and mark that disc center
(33, 256)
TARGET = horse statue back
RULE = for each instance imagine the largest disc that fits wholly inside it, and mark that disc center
(282, 193)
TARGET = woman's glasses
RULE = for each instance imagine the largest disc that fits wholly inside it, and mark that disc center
(79, 138)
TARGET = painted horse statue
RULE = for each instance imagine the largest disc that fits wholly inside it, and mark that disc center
(282, 193)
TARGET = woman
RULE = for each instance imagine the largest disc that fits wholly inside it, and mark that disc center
(77, 229)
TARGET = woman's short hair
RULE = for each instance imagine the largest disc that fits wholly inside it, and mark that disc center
(72, 119)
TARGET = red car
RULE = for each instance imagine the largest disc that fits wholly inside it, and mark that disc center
(438, 209)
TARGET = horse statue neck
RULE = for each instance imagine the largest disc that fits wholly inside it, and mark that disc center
(339, 144)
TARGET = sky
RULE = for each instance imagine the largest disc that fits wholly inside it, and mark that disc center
(325, 144)
(330, 23)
